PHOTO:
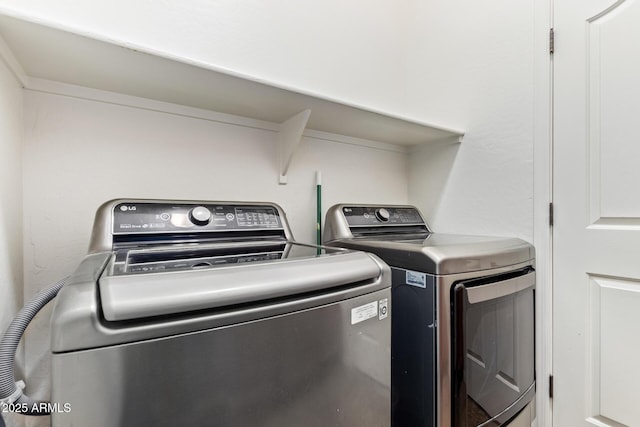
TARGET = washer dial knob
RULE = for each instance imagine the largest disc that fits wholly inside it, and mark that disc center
(200, 215)
(382, 214)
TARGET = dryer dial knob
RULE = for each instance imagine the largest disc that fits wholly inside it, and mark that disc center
(200, 215)
(383, 215)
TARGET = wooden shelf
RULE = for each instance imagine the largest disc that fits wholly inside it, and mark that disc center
(43, 52)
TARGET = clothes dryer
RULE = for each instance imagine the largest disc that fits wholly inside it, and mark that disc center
(462, 316)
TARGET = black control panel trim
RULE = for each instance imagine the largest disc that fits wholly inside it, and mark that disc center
(418, 230)
(135, 240)
(380, 226)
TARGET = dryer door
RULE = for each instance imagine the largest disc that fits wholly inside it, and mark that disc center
(493, 348)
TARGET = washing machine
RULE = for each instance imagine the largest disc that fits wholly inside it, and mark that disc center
(200, 313)
(462, 316)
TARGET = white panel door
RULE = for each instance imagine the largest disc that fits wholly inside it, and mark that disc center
(596, 234)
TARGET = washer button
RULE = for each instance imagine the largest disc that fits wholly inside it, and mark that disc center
(382, 214)
(200, 215)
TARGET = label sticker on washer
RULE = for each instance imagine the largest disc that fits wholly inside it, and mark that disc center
(364, 312)
(416, 279)
(383, 311)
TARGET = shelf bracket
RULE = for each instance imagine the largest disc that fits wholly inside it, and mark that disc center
(289, 138)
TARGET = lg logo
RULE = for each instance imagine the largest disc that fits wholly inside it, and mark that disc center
(125, 208)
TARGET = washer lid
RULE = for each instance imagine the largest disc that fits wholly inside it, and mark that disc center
(440, 254)
(293, 270)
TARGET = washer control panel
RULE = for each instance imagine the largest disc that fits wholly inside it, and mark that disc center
(381, 215)
(145, 217)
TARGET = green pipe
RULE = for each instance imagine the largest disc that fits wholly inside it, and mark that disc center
(319, 209)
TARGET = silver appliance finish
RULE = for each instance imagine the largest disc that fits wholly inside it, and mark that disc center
(413, 245)
(405, 242)
(225, 323)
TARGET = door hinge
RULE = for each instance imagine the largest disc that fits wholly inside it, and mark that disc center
(550, 214)
(551, 40)
(551, 386)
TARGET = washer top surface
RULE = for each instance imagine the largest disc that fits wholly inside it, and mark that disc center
(400, 236)
(168, 257)
(187, 257)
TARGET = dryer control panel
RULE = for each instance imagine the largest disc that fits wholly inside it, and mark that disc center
(381, 215)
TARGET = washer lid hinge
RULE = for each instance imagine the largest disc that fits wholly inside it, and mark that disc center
(550, 386)
(551, 41)
(550, 214)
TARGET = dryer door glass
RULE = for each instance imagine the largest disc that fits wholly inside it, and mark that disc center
(493, 348)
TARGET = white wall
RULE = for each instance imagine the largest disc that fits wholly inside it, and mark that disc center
(459, 63)
(472, 65)
(80, 153)
(11, 136)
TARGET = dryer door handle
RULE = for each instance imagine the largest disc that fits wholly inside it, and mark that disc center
(500, 289)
